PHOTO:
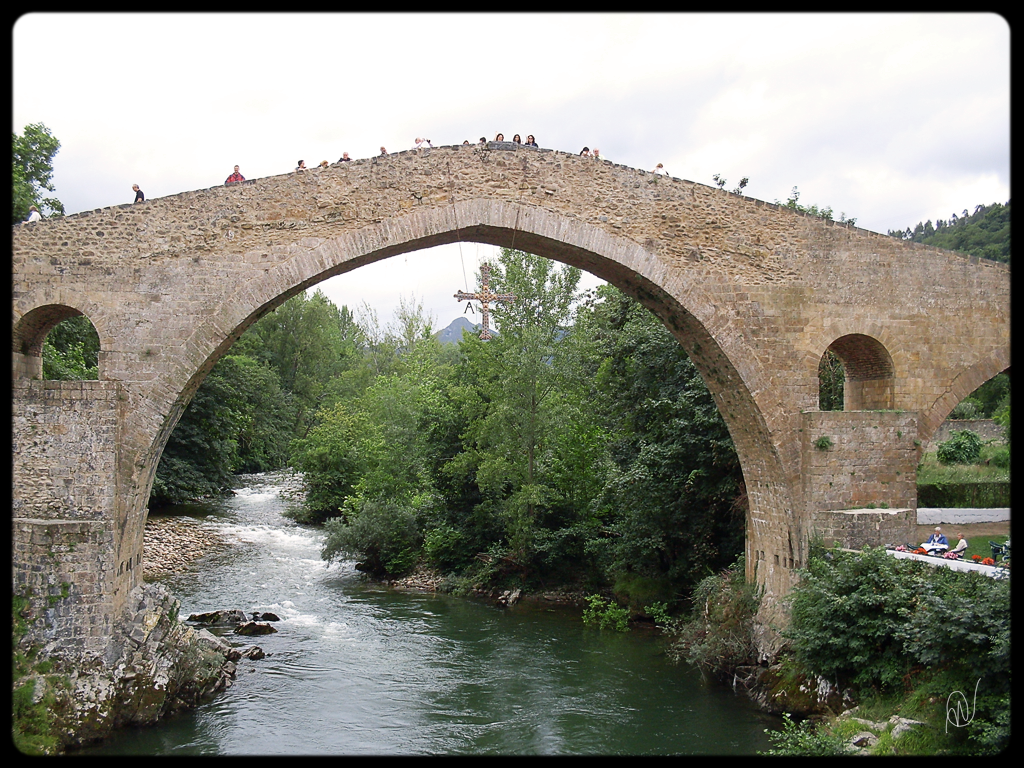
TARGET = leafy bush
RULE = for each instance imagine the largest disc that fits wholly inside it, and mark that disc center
(331, 458)
(803, 739)
(383, 535)
(845, 613)
(963, 447)
(966, 409)
(878, 623)
(606, 614)
(1001, 458)
(960, 620)
(718, 636)
(659, 612)
(446, 548)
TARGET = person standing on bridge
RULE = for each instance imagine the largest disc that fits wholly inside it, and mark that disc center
(234, 178)
(530, 142)
(345, 158)
(301, 166)
(139, 197)
(383, 152)
(33, 215)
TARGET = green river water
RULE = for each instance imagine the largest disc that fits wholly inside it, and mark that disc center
(360, 669)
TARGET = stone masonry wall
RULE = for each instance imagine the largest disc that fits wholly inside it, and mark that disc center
(853, 459)
(63, 569)
(859, 528)
(64, 498)
(65, 437)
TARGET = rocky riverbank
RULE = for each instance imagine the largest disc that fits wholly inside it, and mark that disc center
(154, 666)
(172, 542)
(425, 580)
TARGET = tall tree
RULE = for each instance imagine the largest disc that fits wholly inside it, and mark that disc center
(984, 233)
(515, 381)
(31, 172)
(673, 504)
(308, 341)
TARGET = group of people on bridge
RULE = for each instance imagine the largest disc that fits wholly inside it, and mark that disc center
(420, 143)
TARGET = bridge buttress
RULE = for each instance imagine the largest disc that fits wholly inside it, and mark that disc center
(70, 559)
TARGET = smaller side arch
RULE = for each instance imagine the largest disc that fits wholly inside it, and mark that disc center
(870, 374)
(29, 333)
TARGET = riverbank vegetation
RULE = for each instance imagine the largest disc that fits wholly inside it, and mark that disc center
(904, 641)
(577, 446)
(33, 729)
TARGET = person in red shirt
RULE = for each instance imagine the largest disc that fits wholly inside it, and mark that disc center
(234, 177)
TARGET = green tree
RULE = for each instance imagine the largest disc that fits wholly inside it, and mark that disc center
(514, 375)
(673, 504)
(71, 350)
(374, 444)
(31, 172)
(308, 341)
(332, 457)
(237, 421)
(985, 233)
(382, 490)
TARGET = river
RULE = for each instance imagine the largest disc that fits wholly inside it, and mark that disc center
(357, 668)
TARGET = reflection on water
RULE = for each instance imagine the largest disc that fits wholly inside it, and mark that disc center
(356, 668)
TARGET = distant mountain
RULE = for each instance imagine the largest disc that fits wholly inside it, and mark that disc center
(453, 333)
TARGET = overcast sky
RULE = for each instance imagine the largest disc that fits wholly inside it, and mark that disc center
(890, 118)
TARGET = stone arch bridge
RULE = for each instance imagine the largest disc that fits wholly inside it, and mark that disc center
(756, 293)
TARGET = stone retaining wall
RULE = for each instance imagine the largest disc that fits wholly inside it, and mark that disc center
(859, 528)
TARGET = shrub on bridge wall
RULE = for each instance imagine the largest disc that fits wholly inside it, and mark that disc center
(980, 495)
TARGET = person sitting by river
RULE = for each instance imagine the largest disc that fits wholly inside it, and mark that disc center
(961, 546)
(937, 543)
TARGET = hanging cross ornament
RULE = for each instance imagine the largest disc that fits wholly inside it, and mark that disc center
(484, 296)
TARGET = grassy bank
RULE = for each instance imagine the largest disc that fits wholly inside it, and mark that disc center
(993, 465)
(922, 653)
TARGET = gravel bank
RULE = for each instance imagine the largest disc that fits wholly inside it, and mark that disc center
(171, 543)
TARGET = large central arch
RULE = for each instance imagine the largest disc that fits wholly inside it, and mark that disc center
(753, 291)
